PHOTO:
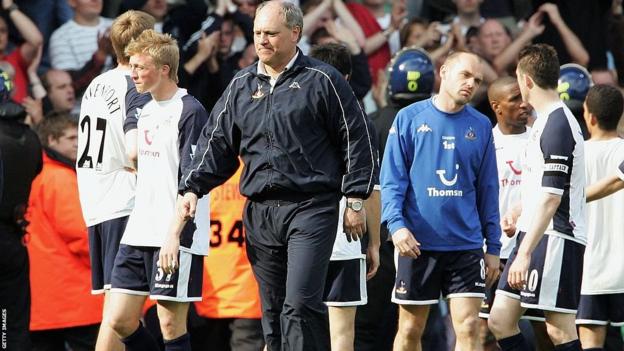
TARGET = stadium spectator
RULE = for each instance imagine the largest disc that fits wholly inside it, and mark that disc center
(418, 32)
(20, 58)
(380, 29)
(61, 97)
(58, 245)
(248, 7)
(468, 15)
(498, 48)
(47, 15)
(318, 14)
(20, 161)
(82, 45)
(33, 104)
(588, 20)
(615, 36)
(566, 41)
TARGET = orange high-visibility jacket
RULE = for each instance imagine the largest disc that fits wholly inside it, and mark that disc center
(229, 288)
(60, 270)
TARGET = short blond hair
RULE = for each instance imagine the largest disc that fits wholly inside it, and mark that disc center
(127, 27)
(162, 48)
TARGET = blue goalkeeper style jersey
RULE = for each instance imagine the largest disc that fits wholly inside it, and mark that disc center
(439, 179)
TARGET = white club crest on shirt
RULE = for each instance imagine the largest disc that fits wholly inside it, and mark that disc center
(258, 94)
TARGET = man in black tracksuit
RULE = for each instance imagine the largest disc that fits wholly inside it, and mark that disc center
(304, 142)
(20, 158)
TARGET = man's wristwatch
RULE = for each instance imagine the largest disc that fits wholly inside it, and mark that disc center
(356, 205)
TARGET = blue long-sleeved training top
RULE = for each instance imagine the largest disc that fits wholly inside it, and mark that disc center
(439, 179)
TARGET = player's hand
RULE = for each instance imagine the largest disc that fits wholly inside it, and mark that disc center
(405, 242)
(168, 255)
(519, 271)
(492, 269)
(372, 257)
(354, 224)
(508, 222)
(186, 205)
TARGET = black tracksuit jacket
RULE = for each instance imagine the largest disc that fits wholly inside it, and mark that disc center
(307, 135)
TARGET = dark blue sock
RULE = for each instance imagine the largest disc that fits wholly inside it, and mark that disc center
(513, 343)
(594, 349)
(574, 345)
(140, 340)
(181, 343)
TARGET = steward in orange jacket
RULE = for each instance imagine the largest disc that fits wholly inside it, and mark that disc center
(59, 248)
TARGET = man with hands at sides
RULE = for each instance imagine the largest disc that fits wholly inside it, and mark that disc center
(304, 141)
(168, 128)
(440, 201)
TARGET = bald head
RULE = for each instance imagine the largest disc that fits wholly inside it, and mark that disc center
(460, 77)
(500, 88)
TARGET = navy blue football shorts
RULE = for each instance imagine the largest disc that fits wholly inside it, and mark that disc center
(451, 274)
(346, 283)
(104, 241)
(603, 309)
(136, 273)
(555, 274)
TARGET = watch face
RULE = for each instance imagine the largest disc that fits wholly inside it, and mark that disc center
(356, 205)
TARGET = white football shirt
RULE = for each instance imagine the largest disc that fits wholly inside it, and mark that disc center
(167, 137)
(554, 162)
(509, 151)
(603, 271)
(105, 184)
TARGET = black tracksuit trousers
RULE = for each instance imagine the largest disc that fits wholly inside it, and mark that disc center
(289, 244)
